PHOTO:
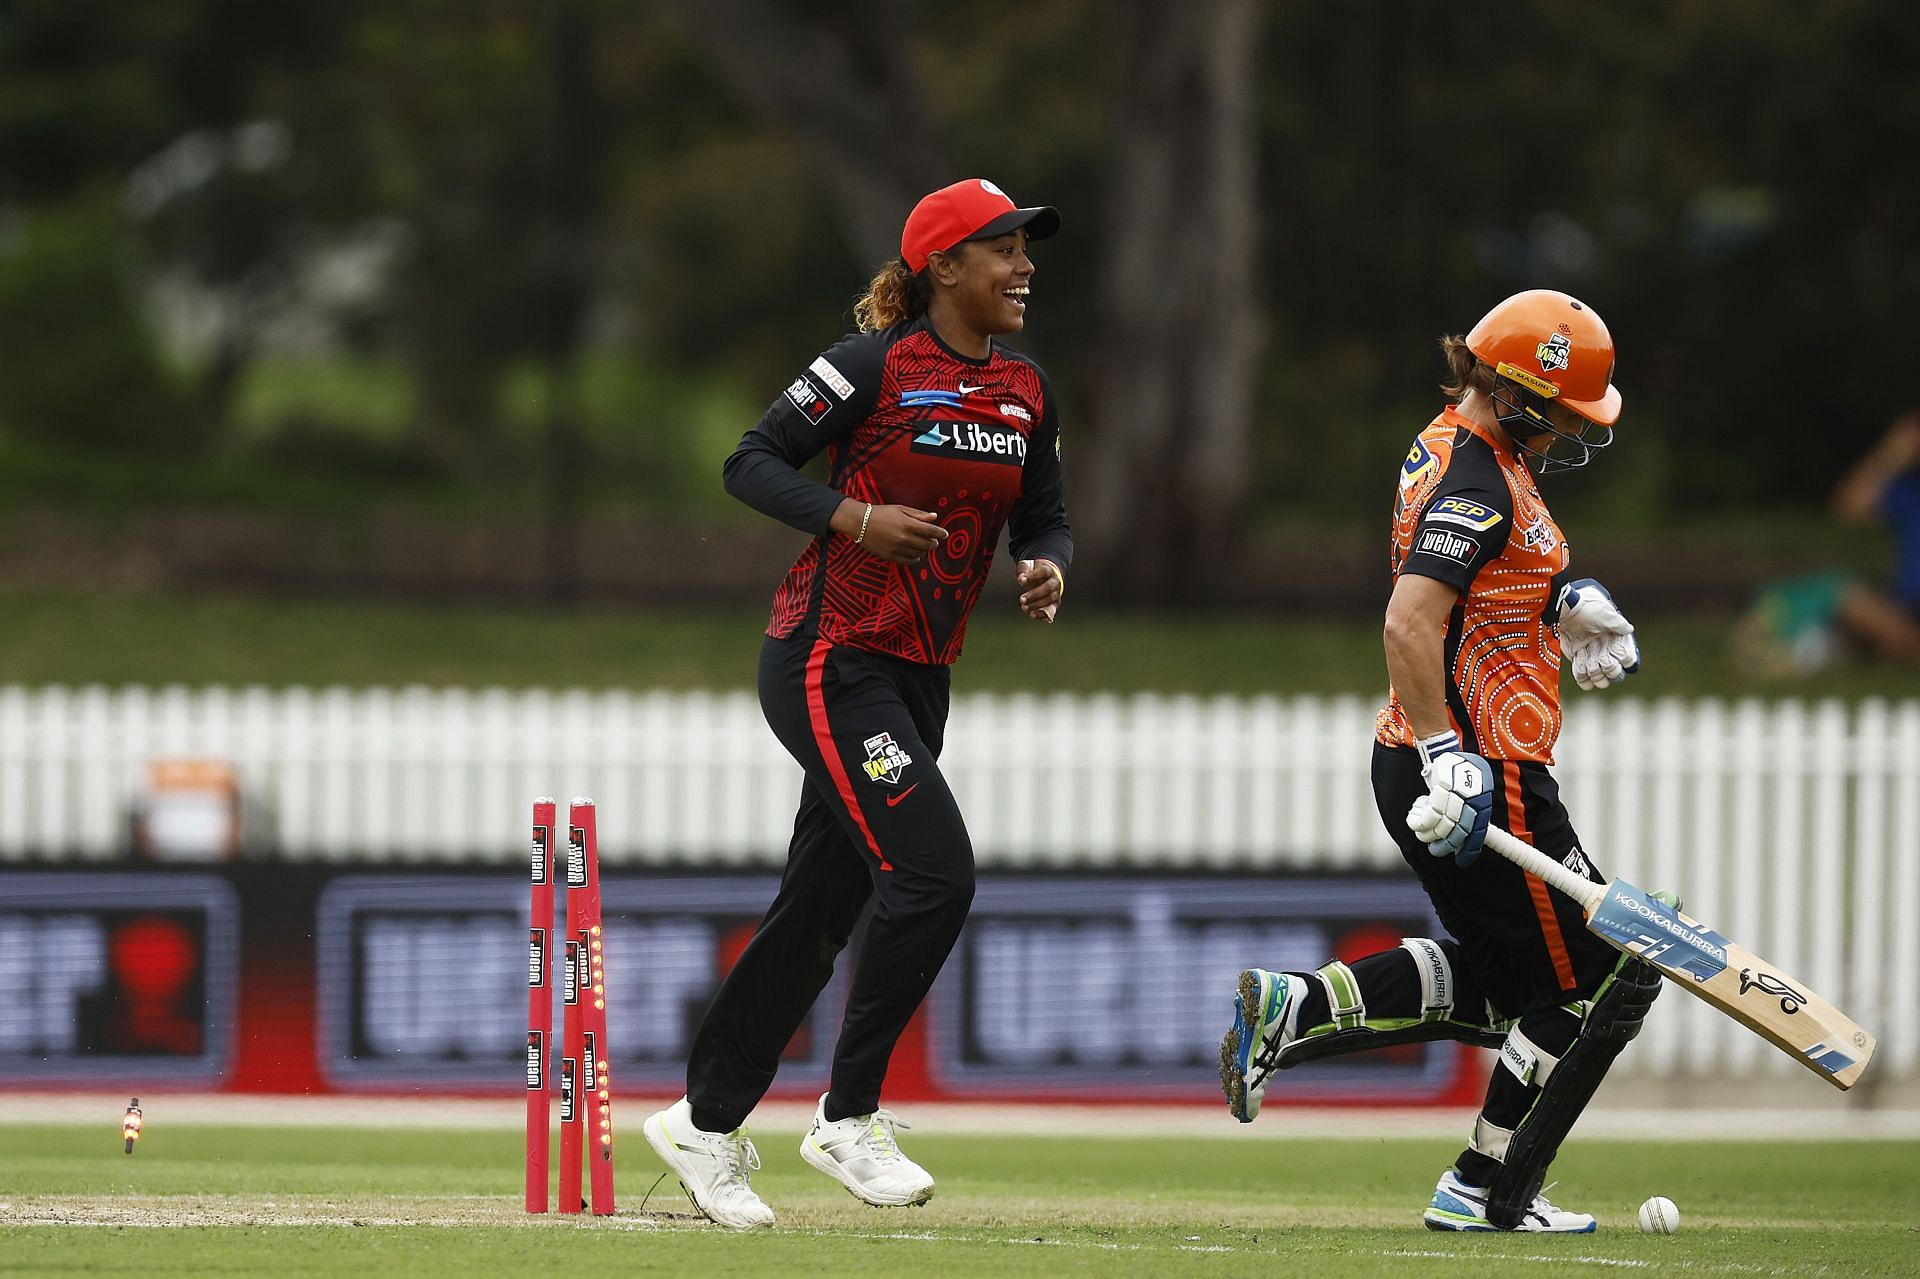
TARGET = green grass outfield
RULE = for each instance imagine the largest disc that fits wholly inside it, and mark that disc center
(126, 637)
(427, 1202)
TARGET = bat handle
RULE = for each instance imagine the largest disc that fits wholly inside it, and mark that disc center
(1534, 862)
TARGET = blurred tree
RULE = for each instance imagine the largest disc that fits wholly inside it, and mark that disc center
(1160, 474)
(77, 366)
(600, 233)
(841, 79)
(1160, 488)
(90, 91)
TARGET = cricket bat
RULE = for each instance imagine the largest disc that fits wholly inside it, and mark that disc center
(1755, 993)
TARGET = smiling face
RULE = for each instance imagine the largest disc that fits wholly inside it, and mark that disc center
(981, 289)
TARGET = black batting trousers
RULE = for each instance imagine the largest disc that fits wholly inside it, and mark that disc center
(877, 821)
(1518, 945)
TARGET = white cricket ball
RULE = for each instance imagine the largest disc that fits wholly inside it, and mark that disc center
(1658, 1216)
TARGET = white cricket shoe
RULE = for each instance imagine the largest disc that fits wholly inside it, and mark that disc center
(713, 1167)
(1458, 1206)
(1266, 1013)
(861, 1154)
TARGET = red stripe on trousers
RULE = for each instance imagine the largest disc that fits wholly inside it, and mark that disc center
(823, 738)
(1542, 895)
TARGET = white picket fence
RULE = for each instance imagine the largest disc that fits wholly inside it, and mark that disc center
(1793, 828)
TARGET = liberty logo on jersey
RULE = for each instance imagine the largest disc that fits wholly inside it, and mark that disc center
(975, 441)
(885, 759)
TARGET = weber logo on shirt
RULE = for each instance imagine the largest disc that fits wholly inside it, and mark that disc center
(1447, 545)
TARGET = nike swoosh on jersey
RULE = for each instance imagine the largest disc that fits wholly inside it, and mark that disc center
(894, 799)
(969, 390)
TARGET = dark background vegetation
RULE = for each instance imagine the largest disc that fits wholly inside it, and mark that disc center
(468, 302)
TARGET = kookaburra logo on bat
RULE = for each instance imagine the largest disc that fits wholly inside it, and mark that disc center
(1790, 999)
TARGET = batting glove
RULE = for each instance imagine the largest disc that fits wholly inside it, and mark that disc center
(1451, 818)
(1595, 636)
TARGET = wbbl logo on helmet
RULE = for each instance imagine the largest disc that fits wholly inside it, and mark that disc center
(1554, 352)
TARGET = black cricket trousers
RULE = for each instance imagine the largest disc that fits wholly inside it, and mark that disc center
(877, 820)
(1517, 944)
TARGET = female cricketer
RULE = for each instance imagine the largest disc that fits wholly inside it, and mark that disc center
(937, 438)
(1483, 614)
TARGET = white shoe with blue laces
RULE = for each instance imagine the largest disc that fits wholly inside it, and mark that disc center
(1458, 1206)
(1266, 1013)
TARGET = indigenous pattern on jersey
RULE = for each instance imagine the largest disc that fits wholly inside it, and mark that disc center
(904, 420)
(1468, 514)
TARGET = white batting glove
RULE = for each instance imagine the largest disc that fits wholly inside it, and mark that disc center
(1451, 818)
(1595, 636)
(1602, 663)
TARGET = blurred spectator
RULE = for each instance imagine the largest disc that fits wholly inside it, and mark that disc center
(1801, 624)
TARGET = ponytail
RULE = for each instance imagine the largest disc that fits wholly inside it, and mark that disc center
(894, 296)
(1465, 372)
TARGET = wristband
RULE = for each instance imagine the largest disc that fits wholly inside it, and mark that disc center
(1438, 744)
(864, 517)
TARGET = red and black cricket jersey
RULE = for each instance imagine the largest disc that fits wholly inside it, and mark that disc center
(905, 420)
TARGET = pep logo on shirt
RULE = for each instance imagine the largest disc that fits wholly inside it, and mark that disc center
(1419, 462)
(1458, 510)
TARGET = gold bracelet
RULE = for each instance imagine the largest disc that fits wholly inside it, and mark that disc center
(864, 517)
(1058, 576)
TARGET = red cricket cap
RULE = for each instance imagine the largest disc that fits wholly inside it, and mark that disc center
(972, 209)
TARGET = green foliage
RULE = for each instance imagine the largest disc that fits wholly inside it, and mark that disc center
(608, 250)
(77, 363)
(652, 438)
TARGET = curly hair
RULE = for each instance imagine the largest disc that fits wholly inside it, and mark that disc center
(1465, 371)
(893, 296)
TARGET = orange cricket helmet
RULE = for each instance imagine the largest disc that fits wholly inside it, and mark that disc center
(1548, 348)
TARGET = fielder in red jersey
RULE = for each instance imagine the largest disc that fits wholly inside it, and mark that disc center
(937, 439)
